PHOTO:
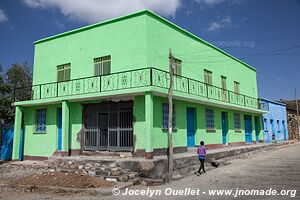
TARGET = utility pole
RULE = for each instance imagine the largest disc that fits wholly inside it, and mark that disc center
(170, 124)
(298, 123)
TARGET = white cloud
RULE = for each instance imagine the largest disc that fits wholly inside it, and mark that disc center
(97, 10)
(217, 25)
(60, 25)
(215, 2)
(210, 2)
(244, 19)
(3, 16)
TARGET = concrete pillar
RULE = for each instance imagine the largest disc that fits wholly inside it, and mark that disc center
(149, 124)
(65, 126)
(17, 133)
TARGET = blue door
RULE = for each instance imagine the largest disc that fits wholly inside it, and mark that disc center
(248, 128)
(59, 134)
(224, 128)
(257, 129)
(273, 128)
(7, 142)
(267, 137)
(21, 147)
(190, 117)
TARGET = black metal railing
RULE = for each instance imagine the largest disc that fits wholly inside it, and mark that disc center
(191, 86)
(95, 84)
(133, 79)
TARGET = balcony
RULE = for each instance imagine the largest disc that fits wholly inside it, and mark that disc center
(139, 78)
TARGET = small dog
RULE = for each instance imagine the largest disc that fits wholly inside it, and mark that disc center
(215, 164)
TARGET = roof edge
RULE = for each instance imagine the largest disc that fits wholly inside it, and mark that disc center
(198, 38)
(272, 101)
(137, 14)
(91, 26)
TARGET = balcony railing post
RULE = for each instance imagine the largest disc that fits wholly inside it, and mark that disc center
(151, 76)
(56, 89)
(188, 85)
(40, 91)
(118, 76)
(244, 100)
(206, 90)
(100, 77)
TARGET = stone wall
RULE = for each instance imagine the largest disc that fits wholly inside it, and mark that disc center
(292, 127)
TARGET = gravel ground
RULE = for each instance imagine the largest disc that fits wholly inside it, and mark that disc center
(58, 179)
(277, 169)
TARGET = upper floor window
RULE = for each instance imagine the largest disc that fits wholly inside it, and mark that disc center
(102, 65)
(210, 120)
(165, 117)
(223, 80)
(40, 120)
(63, 72)
(177, 69)
(207, 77)
(237, 87)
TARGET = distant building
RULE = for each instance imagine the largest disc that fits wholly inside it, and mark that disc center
(274, 122)
(292, 119)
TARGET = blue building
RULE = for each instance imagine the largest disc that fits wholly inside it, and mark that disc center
(275, 121)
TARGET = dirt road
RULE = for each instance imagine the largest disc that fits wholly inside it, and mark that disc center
(276, 172)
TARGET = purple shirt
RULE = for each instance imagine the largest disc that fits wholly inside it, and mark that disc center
(201, 151)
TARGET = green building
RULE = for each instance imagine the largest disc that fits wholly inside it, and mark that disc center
(104, 87)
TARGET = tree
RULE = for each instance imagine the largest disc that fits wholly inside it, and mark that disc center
(17, 76)
(5, 100)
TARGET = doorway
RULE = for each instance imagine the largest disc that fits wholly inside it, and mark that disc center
(108, 126)
(257, 128)
(190, 121)
(224, 127)
(59, 130)
(248, 128)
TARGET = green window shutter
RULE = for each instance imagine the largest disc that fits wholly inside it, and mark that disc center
(207, 77)
(102, 65)
(177, 69)
(60, 76)
(64, 72)
(67, 74)
(106, 68)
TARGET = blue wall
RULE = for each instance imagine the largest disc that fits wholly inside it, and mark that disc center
(275, 122)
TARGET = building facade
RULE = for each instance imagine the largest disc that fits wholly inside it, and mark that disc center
(275, 121)
(104, 88)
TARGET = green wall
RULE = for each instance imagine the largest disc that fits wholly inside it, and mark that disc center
(160, 136)
(45, 144)
(123, 40)
(40, 144)
(142, 40)
(137, 42)
(196, 56)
